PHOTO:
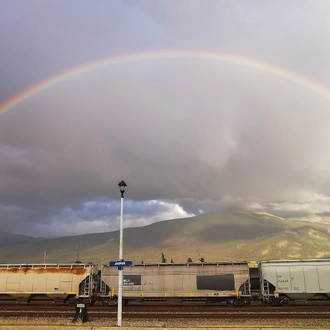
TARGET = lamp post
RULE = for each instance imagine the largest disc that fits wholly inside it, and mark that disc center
(122, 186)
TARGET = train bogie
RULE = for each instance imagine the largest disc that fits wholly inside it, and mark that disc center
(208, 282)
(46, 282)
(294, 280)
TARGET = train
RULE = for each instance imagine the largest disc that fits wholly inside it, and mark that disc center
(270, 282)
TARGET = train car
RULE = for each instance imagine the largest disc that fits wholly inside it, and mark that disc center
(294, 280)
(208, 282)
(47, 282)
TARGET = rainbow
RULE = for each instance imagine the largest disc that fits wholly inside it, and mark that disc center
(113, 60)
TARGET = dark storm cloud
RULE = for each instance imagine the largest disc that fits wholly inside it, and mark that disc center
(100, 215)
(206, 133)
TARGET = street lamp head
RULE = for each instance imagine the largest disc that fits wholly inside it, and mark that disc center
(122, 186)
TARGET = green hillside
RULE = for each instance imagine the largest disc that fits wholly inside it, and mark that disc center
(214, 236)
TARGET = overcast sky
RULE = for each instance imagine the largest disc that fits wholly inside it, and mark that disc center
(187, 134)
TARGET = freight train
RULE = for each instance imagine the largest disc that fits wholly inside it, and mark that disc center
(277, 283)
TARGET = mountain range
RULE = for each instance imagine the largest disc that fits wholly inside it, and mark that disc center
(219, 236)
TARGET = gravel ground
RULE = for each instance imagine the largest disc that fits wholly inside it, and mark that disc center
(13, 323)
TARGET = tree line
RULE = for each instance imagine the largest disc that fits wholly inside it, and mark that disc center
(164, 260)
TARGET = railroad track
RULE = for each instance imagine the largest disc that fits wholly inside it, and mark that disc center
(166, 312)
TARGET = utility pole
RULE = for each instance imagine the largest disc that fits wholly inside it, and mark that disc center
(78, 260)
(198, 253)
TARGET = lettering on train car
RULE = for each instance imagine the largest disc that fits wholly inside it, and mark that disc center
(283, 281)
(284, 288)
(130, 280)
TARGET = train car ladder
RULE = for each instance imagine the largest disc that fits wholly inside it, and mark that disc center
(103, 288)
(88, 285)
(246, 288)
(265, 288)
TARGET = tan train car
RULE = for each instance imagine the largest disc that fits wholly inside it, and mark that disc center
(46, 282)
(208, 282)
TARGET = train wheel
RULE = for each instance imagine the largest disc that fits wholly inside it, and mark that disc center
(230, 302)
(115, 302)
(71, 301)
(276, 301)
(247, 301)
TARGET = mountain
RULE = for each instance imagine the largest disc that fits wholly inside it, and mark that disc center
(219, 236)
(313, 217)
(8, 239)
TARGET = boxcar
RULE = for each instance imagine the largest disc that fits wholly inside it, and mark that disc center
(51, 282)
(294, 280)
(208, 282)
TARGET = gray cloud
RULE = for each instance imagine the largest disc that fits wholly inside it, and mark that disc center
(92, 216)
(174, 129)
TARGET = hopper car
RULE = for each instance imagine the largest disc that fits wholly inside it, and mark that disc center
(284, 281)
(192, 282)
(48, 282)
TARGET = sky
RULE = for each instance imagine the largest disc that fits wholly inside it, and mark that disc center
(199, 105)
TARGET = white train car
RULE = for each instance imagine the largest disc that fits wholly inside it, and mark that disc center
(282, 281)
(47, 282)
(207, 282)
